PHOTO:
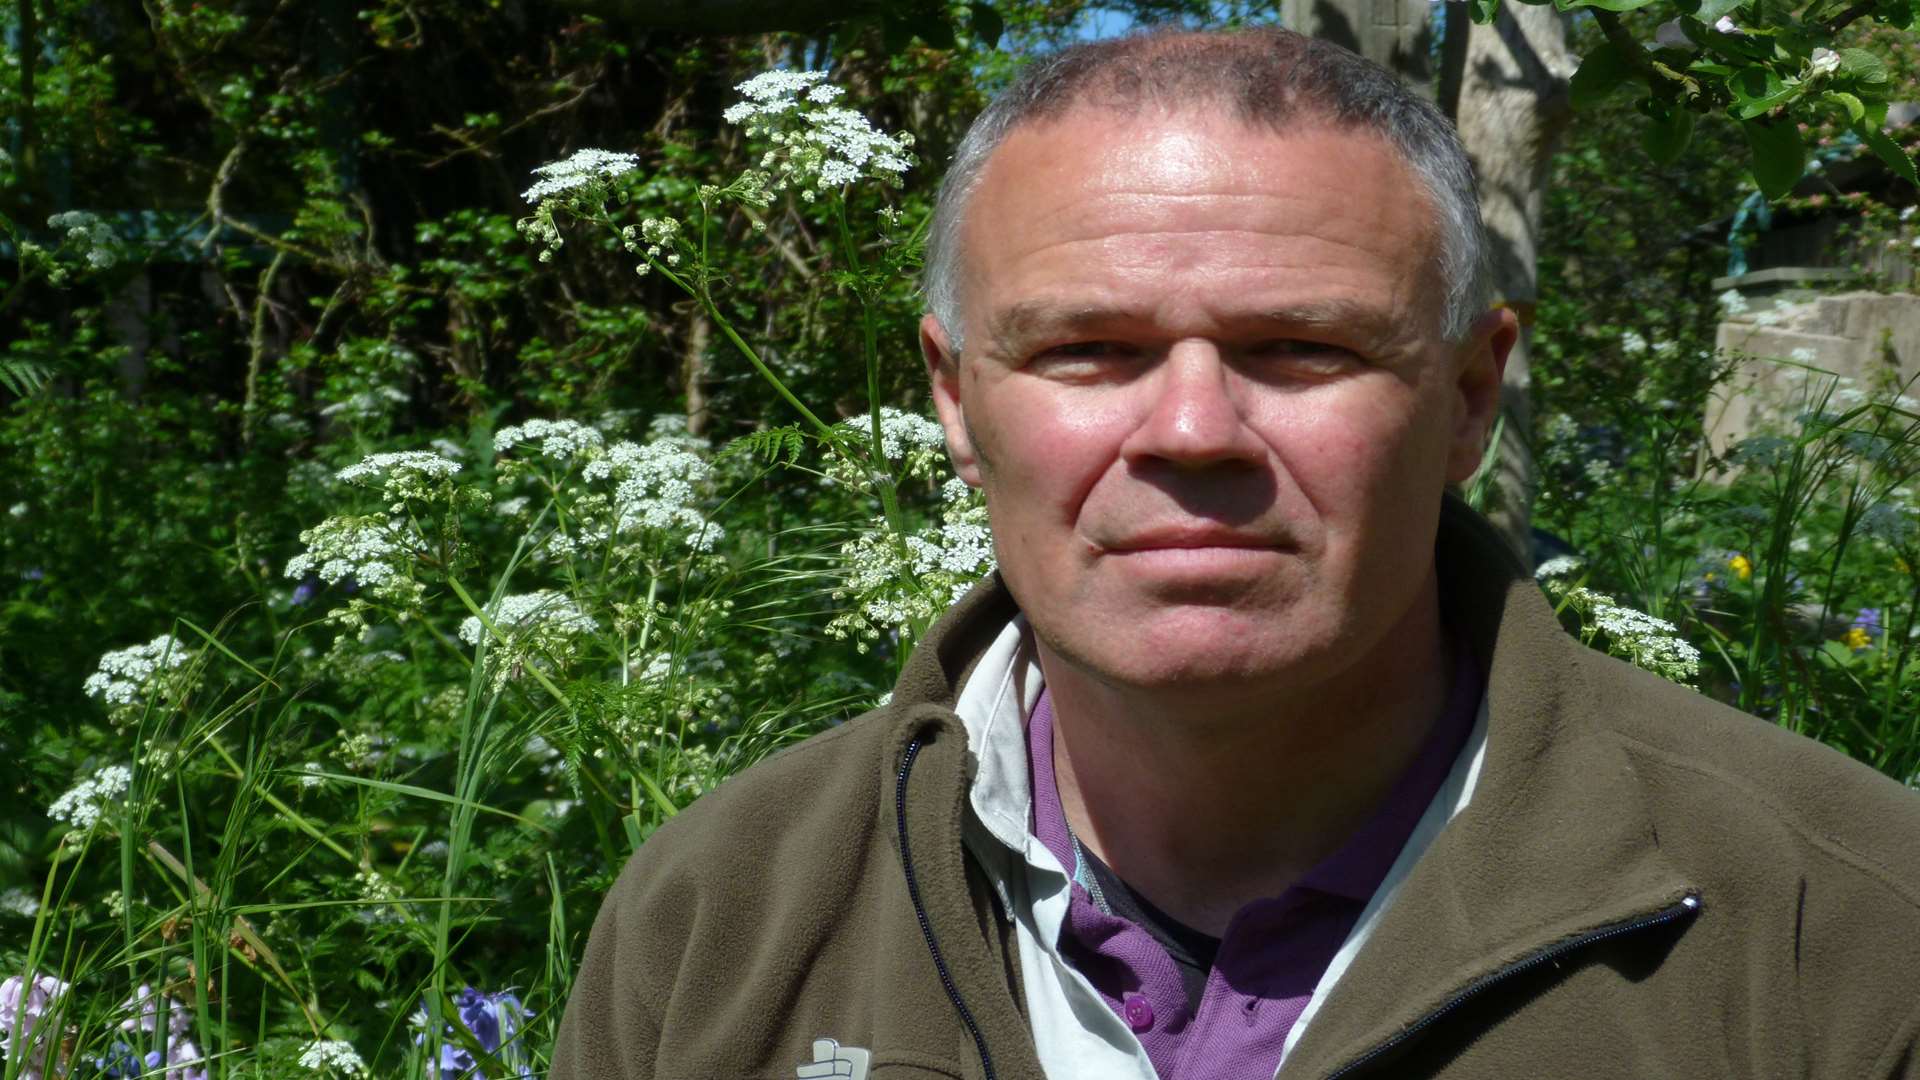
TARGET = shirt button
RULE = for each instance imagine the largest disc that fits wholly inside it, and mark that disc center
(1139, 1012)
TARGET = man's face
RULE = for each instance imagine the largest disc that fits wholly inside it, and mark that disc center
(1205, 392)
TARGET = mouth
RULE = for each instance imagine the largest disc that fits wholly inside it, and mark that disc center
(1181, 538)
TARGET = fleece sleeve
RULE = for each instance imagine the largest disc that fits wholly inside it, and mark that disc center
(611, 1029)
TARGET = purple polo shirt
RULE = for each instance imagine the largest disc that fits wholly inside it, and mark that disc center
(1274, 950)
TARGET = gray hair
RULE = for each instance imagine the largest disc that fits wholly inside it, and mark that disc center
(1268, 77)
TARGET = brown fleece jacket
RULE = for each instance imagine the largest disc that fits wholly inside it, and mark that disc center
(1646, 884)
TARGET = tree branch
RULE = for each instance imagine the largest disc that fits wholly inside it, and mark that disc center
(1849, 16)
(1635, 55)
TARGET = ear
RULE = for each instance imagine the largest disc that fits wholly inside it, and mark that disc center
(943, 372)
(1480, 362)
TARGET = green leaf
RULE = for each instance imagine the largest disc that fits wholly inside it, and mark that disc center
(987, 24)
(1603, 70)
(1711, 11)
(1856, 109)
(1665, 137)
(1779, 156)
(1863, 65)
(1889, 151)
(1759, 106)
(1604, 5)
(1484, 11)
(1836, 654)
(932, 27)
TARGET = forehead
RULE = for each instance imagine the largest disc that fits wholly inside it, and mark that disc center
(1186, 208)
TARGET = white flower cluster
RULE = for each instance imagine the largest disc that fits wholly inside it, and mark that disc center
(83, 806)
(332, 1055)
(19, 902)
(91, 238)
(816, 144)
(1642, 640)
(654, 236)
(368, 549)
(583, 168)
(123, 672)
(1558, 566)
(896, 586)
(655, 485)
(540, 624)
(527, 613)
(406, 474)
(916, 443)
(561, 440)
(24, 1006)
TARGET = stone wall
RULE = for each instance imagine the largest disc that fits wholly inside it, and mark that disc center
(1870, 338)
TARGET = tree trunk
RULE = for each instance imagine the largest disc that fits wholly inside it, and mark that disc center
(1513, 104)
(1396, 34)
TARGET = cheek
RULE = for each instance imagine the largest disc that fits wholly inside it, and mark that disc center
(1040, 454)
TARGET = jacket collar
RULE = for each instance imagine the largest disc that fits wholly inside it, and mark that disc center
(1555, 842)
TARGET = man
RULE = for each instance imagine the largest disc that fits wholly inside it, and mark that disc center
(1259, 757)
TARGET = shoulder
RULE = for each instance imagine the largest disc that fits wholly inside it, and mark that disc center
(777, 819)
(1749, 781)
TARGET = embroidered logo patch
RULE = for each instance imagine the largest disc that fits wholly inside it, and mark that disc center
(831, 1061)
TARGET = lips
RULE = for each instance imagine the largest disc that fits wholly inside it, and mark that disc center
(1174, 538)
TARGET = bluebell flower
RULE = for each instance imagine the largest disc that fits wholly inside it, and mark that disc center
(497, 1023)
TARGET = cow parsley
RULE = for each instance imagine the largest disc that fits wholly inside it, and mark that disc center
(561, 440)
(1641, 639)
(407, 474)
(123, 673)
(655, 487)
(901, 586)
(83, 806)
(540, 624)
(916, 443)
(90, 238)
(816, 144)
(584, 169)
(332, 1055)
(370, 549)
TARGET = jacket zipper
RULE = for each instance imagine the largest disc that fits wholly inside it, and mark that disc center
(1686, 907)
(926, 924)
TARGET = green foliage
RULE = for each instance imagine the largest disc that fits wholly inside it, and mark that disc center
(414, 556)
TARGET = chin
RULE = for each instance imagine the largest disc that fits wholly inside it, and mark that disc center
(1229, 660)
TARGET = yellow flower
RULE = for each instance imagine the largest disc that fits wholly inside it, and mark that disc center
(1857, 638)
(1742, 566)
(1900, 564)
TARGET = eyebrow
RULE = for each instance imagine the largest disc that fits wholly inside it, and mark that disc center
(1030, 318)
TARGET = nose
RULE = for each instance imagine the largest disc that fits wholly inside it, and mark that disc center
(1194, 417)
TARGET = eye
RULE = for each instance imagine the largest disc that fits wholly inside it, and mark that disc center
(1302, 353)
(1084, 359)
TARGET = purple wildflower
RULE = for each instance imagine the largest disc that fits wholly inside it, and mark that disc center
(1869, 620)
(175, 1058)
(23, 1004)
(496, 1022)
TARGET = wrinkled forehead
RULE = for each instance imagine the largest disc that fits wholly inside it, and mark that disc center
(1101, 186)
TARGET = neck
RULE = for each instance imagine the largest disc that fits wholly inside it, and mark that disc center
(1205, 801)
